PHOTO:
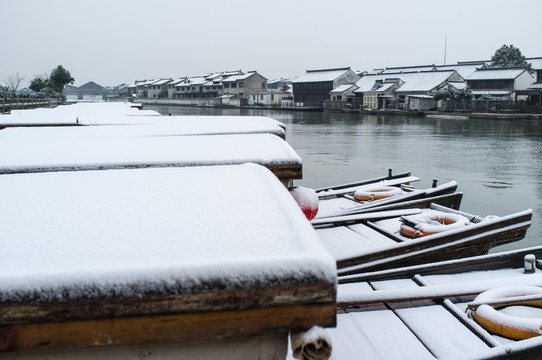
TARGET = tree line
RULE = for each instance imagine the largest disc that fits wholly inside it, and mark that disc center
(44, 85)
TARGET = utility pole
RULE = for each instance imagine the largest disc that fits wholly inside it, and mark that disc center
(445, 44)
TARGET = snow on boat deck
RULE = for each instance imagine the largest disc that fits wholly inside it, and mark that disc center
(144, 139)
(55, 149)
(123, 114)
(133, 232)
(410, 328)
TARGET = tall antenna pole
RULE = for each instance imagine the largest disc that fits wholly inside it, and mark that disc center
(445, 44)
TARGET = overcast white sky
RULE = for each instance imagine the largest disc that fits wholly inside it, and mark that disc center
(118, 41)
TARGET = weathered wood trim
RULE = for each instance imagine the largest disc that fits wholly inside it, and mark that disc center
(287, 172)
(511, 259)
(212, 301)
(163, 328)
(365, 182)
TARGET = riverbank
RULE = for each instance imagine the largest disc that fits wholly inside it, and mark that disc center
(414, 113)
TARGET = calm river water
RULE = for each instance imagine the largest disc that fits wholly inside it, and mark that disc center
(497, 163)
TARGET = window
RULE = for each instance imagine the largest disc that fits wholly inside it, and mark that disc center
(226, 85)
(233, 85)
(263, 85)
(241, 84)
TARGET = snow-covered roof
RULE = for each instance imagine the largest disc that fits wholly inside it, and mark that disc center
(239, 77)
(536, 86)
(89, 150)
(131, 233)
(162, 81)
(148, 82)
(197, 80)
(178, 81)
(423, 81)
(491, 92)
(269, 82)
(395, 70)
(458, 85)
(321, 75)
(465, 70)
(496, 74)
(412, 82)
(343, 88)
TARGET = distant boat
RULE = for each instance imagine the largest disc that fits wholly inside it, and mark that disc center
(373, 240)
(357, 197)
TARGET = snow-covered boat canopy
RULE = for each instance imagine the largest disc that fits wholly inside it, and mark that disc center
(88, 148)
(134, 233)
(128, 114)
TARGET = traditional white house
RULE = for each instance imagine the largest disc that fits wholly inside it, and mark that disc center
(142, 88)
(376, 91)
(499, 82)
(171, 87)
(158, 88)
(244, 85)
(418, 89)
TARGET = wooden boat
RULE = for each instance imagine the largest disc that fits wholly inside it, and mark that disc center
(93, 267)
(353, 198)
(87, 148)
(420, 312)
(372, 240)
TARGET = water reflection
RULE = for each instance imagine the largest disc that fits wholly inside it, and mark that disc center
(496, 162)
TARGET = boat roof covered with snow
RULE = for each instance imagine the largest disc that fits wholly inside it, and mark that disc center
(117, 257)
(59, 149)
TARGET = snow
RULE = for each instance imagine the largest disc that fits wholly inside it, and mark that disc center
(536, 85)
(69, 114)
(413, 82)
(423, 82)
(87, 234)
(473, 286)
(317, 76)
(440, 332)
(53, 150)
(343, 88)
(495, 74)
(345, 242)
(374, 335)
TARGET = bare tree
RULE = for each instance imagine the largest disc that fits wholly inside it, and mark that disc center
(13, 82)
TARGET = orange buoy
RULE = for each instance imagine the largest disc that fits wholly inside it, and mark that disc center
(486, 313)
(307, 200)
(376, 193)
